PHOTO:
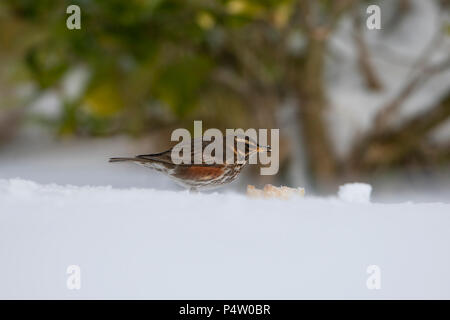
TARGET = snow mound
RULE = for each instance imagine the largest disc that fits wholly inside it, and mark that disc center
(355, 192)
(152, 244)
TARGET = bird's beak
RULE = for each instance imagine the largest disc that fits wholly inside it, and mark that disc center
(264, 148)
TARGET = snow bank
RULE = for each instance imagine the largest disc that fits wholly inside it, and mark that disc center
(144, 243)
(355, 192)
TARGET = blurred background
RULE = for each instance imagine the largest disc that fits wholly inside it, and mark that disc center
(352, 104)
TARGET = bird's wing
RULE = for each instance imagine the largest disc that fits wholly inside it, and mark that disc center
(175, 154)
(164, 157)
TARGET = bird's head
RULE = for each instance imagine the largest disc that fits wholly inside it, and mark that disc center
(246, 146)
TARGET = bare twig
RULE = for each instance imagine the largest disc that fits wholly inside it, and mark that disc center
(394, 105)
(364, 58)
(384, 148)
(420, 73)
(306, 19)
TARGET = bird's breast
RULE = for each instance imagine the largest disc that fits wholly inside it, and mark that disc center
(199, 173)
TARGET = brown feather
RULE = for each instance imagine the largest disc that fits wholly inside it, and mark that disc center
(199, 172)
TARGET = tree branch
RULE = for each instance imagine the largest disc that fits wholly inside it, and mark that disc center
(385, 148)
(422, 71)
(364, 58)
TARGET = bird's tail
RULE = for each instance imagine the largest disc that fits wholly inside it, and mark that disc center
(145, 158)
(123, 159)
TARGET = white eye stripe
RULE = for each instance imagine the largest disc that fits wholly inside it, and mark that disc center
(246, 141)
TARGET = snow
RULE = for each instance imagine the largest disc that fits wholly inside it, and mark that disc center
(47, 105)
(147, 243)
(355, 192)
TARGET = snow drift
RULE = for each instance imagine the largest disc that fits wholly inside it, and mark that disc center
(144, 243)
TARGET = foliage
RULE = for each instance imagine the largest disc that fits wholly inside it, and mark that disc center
(141, 54)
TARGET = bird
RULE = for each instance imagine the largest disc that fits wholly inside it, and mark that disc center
(211, 172)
